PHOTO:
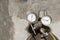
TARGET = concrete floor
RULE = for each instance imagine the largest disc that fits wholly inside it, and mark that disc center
(6, 23)
(13, 21)
(18, 9)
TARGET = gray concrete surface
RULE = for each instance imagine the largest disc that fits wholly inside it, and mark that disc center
(5, 21)
(13, 17)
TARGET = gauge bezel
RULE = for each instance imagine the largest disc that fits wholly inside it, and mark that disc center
(50, 19)
(33, 14)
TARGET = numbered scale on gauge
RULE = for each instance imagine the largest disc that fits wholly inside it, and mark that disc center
(46, 20)
(31, 17)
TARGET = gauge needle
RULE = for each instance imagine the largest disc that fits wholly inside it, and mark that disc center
(31, 17)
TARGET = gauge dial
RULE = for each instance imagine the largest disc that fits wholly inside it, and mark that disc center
(31, 17)
(46, 20)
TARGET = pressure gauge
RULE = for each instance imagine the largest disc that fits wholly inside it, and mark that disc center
(46, 20)
(31, 17)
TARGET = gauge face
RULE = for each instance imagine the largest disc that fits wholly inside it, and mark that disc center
(46, 20)
(31, 17)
